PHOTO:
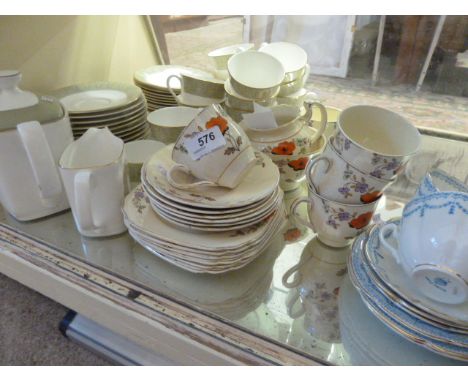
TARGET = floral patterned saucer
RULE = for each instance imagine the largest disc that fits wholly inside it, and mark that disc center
(259, 182)
(385, 267)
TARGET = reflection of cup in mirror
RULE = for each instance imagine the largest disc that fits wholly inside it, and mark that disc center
(232, 295)
(113, 252)
(292, 231)
(316, 280)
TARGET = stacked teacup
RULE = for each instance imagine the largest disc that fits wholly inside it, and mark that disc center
(370, 147)
(254, 77)
(294, 60)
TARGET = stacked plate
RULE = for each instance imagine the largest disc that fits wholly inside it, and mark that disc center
(153, 83)
(209, 229)
(391, 296)
(120, 107)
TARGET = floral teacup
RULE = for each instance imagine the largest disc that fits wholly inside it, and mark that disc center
(337, 180)
(336, 224)
(377, 141)
(292, 167)
(224, 164)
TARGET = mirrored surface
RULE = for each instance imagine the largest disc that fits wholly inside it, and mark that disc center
(296, 293)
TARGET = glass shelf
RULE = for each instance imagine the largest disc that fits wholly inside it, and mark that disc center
(321, 316)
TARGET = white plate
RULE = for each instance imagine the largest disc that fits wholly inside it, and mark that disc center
(386, 268)
(259, 182)
(156, 76)
(211, 220)
(199, 264)
(209, 213)
(213, 226)
(112, 114)
(139, 214)
(97, 97)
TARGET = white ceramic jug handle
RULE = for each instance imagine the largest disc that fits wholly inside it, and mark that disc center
(293, 211)
(82, 185)
(323, 118)
(168, 84)
(310, 168)
(386, 231)
(185, 186)
(40, 158)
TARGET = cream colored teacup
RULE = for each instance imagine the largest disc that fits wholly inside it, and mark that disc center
(255, 75)
(168, 122)
(137, 152)
(213, 149)
(197, 91)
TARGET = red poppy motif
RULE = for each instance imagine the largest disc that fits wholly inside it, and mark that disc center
(218, 121)
(361, 221)
(284, 148)
(299, 164)
(370, 197)
(292, 234)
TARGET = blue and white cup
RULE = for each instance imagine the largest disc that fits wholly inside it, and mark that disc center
(431, 244)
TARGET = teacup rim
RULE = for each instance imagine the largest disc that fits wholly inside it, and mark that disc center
(436, 195)
(310, 189)
(342, 113)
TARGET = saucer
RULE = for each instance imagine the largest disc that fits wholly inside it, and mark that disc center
(452, 345)
(258, 183)
(396, 279)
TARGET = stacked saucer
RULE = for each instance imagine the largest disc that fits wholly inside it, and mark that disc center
(207, 229)
(120, 107)
(392, 297)
(153, 83)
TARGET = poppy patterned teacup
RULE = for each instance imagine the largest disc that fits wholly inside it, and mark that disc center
(223, 165)
(337, 180)
(336, 224)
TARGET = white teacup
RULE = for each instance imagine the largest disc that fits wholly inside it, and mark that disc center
(168, 122)
(136, 153)
(222, 55)
(225, 165)
(255, 75)
(337, 180)
(197, 91)
(336, 224)
(93, 172)
(375, 140)
(431, 244)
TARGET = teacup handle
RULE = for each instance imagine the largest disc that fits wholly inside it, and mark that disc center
(310, 168)
(386, 231)
(82, 185)
(323, 119)
(185, 186)
(168, 84)
(299, 218)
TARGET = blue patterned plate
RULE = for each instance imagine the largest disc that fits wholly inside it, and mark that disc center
(397, 281)
(453, 345)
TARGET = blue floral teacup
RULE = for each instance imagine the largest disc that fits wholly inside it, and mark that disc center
(336, 179)
(431, 243)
